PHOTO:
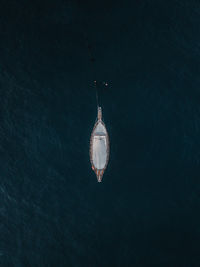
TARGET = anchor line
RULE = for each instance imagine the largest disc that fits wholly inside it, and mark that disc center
(97, 84)
(92, 60)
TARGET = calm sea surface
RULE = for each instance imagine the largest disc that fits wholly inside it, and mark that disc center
(52, 210)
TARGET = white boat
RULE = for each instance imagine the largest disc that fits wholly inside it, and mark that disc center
(99, 147)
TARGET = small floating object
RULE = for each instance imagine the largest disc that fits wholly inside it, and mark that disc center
(99, 147)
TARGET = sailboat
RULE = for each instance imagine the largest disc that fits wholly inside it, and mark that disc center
(99, 146)
(99, 140)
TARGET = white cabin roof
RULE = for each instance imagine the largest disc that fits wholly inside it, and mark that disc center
(100, 128)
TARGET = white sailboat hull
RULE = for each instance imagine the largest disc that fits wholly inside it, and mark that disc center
(99, 148)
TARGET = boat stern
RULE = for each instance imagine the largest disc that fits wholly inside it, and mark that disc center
(99, 178)
(100, 175)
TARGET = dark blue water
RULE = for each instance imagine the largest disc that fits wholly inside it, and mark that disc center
(52, 210)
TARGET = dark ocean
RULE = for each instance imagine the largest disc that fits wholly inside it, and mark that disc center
(146, 210)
